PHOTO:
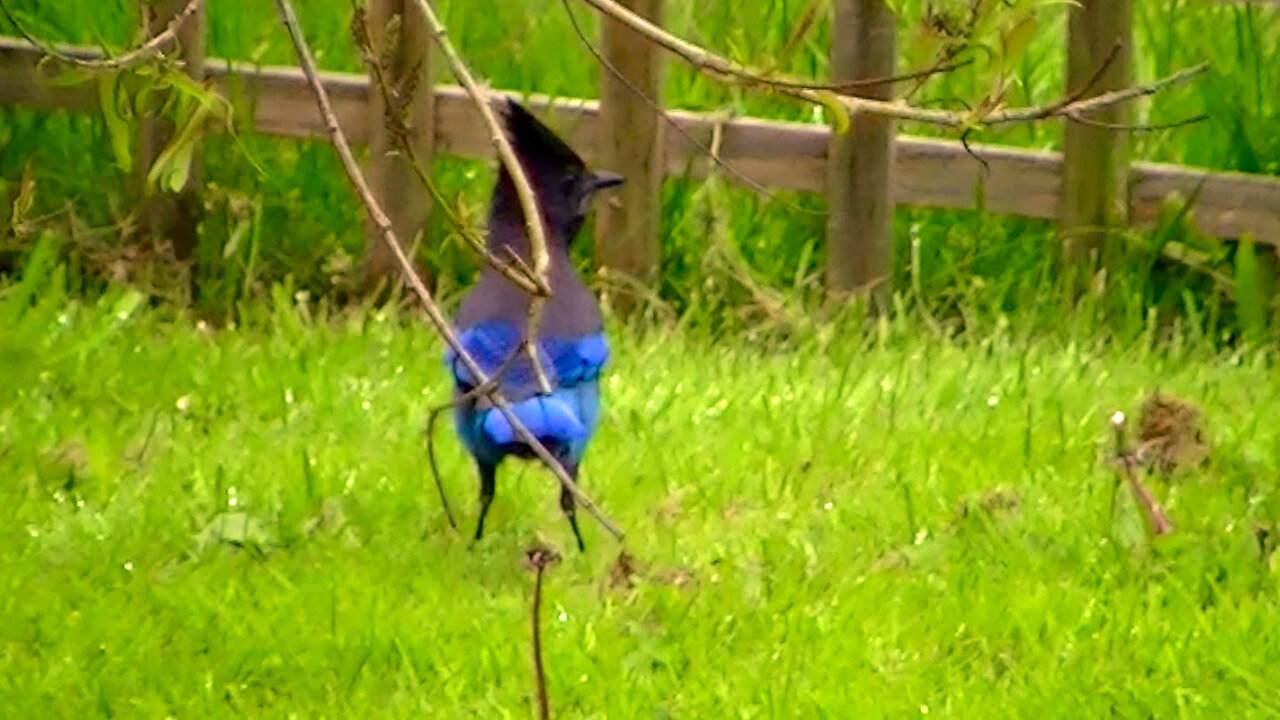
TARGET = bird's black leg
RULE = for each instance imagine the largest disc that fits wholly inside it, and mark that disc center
(488, 474)
(567, 503)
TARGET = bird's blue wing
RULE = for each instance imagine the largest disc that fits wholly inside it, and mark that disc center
(577, 360)
(554, 416)
(489, 344)
(570, 360)
(568, 415)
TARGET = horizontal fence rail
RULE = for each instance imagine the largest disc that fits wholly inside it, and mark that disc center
(781, 155)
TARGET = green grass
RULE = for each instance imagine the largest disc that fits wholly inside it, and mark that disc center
(307, 226)
(809, 493)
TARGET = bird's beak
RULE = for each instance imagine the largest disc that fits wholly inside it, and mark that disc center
(605, 179)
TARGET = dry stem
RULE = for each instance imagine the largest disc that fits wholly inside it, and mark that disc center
(538, 559)
(290, 20)
(516, 271)
(507, 156)
(1158, 522)
(141, 54)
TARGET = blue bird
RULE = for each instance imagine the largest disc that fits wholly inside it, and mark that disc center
(493, 316)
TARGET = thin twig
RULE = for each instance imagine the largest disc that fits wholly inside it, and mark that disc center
(1097, 102)
(847, 86)
(488, 386)
(720, 67)
(339, 139)
(141, 54)
(538, 559)
(715, 158)
(524, 190)
(1158, 522)
(1129, 127)
(1094, 78)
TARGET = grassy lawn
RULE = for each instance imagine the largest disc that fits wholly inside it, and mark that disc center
(871, 525)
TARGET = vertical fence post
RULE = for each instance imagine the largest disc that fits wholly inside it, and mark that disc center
(631, 143)
(1095, 170)
(391, 175)
(860, 220)
(168, 215)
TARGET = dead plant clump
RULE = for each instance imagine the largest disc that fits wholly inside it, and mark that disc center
(1170, 434)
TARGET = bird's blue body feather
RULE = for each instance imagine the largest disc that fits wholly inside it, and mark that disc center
(565, 419)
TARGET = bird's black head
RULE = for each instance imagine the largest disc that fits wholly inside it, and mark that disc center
(563, 184)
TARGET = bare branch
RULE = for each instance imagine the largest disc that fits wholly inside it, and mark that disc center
(1096, 102)
(507, 155)
(141, 54)
(1077, 116)
(290, 20)
(538, 559)
(1083, 90)
(849, 86)
(1158, 522)
(722, 68)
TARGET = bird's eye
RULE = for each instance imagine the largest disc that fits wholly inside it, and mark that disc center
(568, 184)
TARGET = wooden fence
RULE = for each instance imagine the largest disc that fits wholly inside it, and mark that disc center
(1090, 187)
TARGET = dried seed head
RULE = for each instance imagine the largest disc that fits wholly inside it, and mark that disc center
(1170, 433)
(540, 556)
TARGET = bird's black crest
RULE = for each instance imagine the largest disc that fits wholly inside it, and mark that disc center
(536, 143)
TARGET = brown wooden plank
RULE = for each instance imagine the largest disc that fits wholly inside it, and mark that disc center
(629, 140)
(391, 175)
(860, 162)
(779, 155)
(171, 216)
(1095, 166)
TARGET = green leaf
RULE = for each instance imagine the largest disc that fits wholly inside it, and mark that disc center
(839, 114)
(179, 168)
(1016, 38)
(236, 528)
(237, 235)
(26, 198)
(126, 305)
(118, 130)
(1251, 301)
(172, 169)
(74, 77)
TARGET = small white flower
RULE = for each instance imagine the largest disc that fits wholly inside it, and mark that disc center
(183, 403)
(993, 401)
(128, 567)
(1118, 418)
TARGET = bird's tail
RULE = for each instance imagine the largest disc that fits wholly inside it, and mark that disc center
(548, 417)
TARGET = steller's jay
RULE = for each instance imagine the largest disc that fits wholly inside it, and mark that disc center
(492, 319)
